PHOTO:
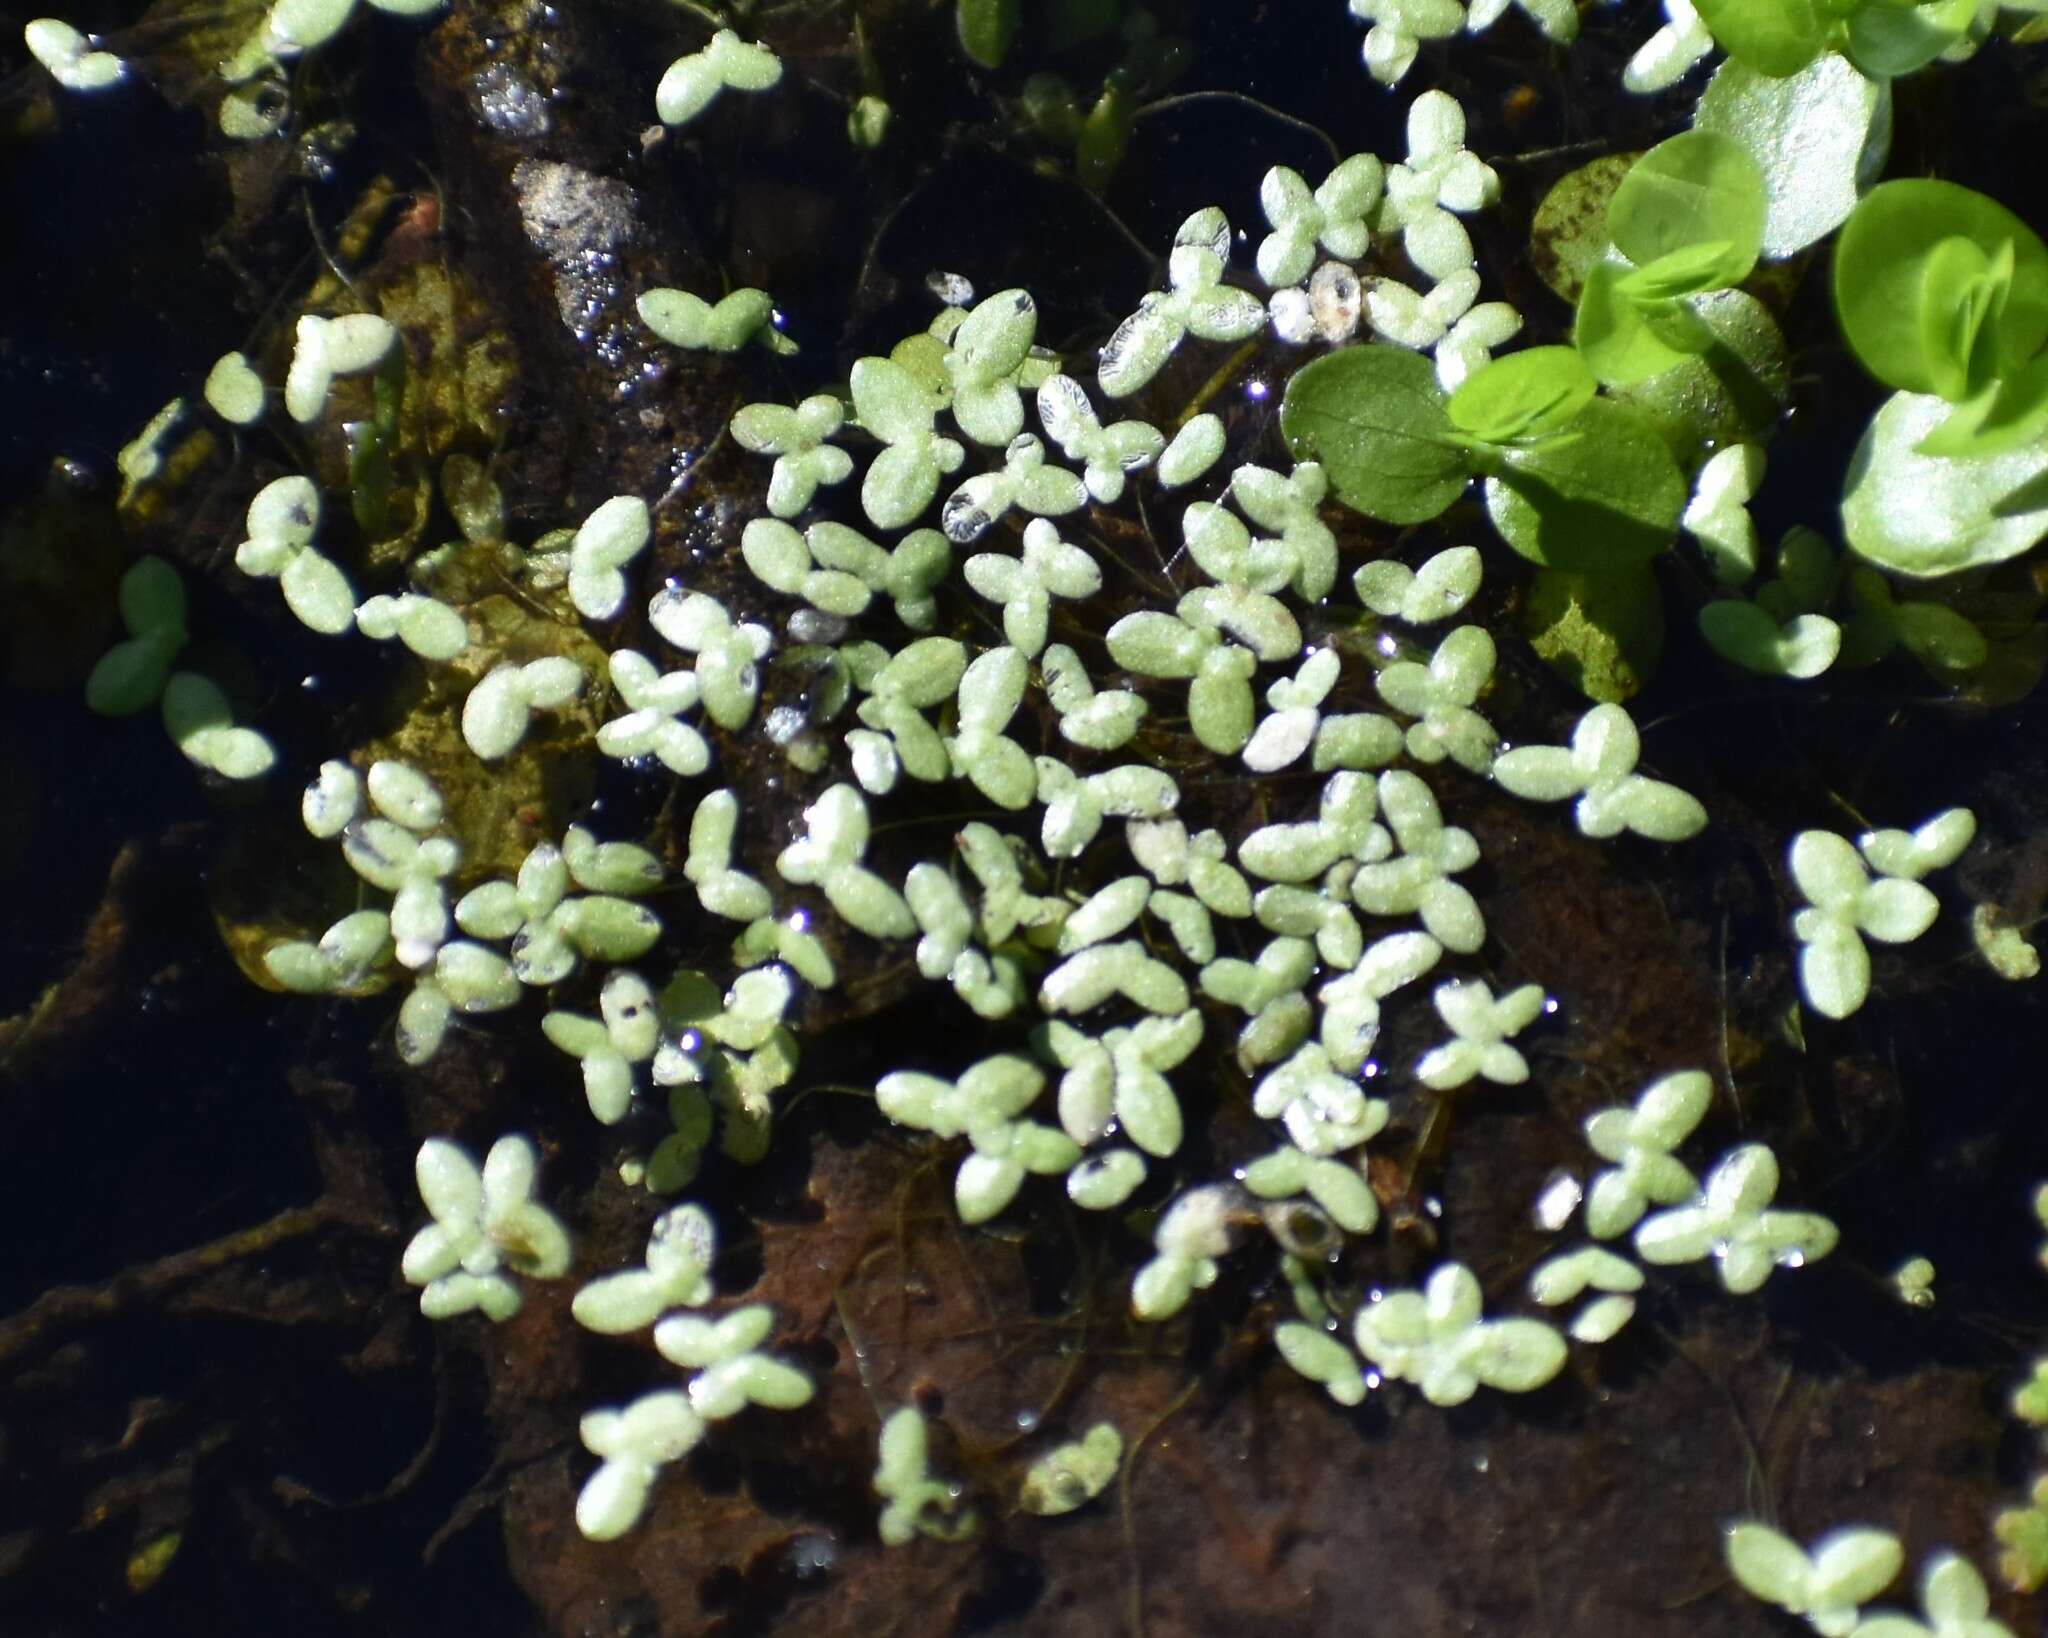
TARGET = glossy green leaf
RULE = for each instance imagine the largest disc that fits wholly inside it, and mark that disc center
(1527, 394)
(1697, 190)
(1683, 272)
(1962, 293)
(1375, 418)
(1998, 418)
(1901, 282)
(1597, 502)
(1888, 38)
(1613, 334)
(1775, 37)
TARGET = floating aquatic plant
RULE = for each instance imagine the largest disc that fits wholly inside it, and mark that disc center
(1730, 1222)
(1073, 1474)
(1843, 1570)
(916, 1503)
(1145, 959)
(690, 84)
(1844, 907)
(1195, 302)
(487, 1226)
(1436, 1339)
(1639, 1143)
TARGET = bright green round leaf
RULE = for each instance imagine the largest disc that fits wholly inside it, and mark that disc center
(1374, 417)
(300, 25)
(1894, 277)
(1613, 334)
(1774, 37)
(1768, 1564)
(776, 554)
(1192, 452)
(2003, 416)
(197, 717)
(1697, 190)
(1962, 291)
(1220, 708)
(1888, 38)
(686, 89)
(1599, 500)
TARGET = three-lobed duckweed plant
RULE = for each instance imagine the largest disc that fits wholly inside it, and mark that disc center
(977, 643)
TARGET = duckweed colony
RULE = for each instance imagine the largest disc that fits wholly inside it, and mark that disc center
(1079, 743)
